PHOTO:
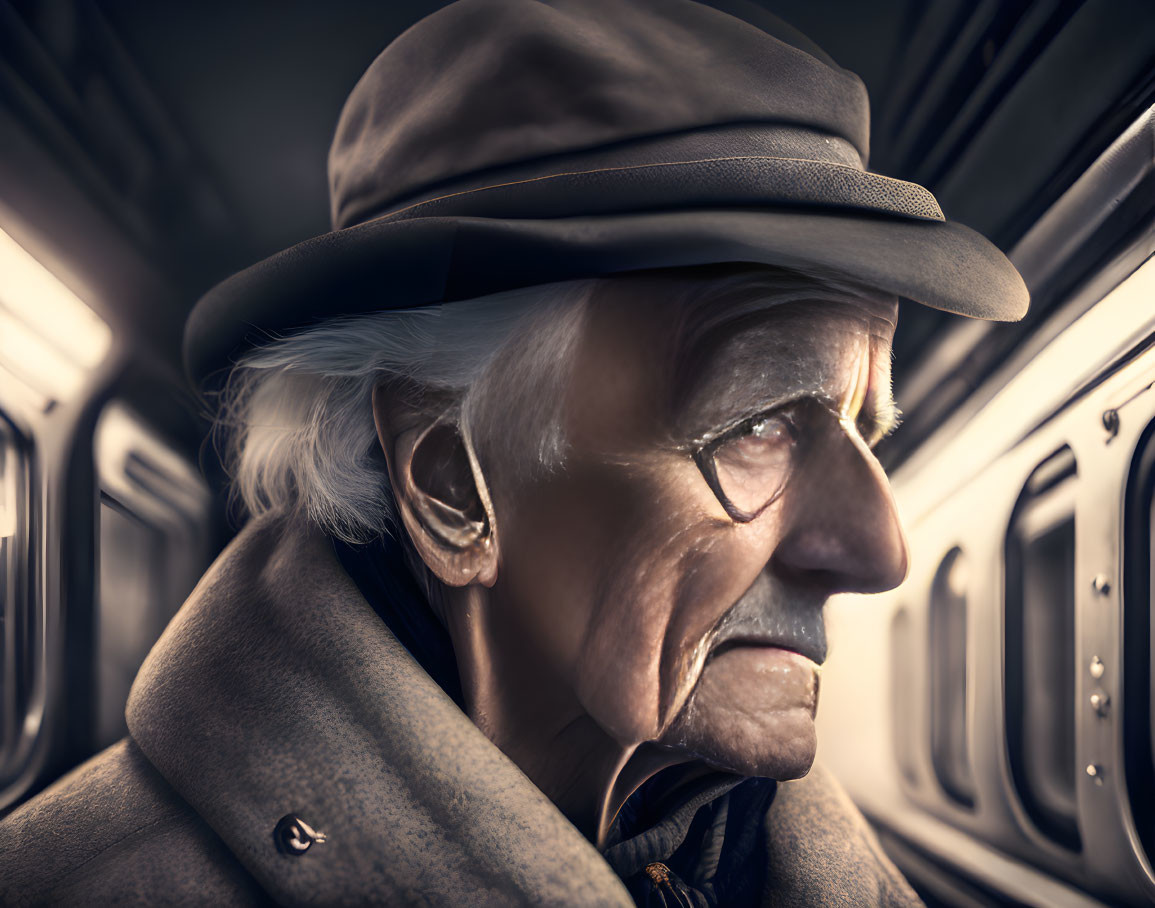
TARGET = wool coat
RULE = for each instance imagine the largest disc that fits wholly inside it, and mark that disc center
(278, 691)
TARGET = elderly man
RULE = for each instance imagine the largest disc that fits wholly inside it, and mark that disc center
(553, 451)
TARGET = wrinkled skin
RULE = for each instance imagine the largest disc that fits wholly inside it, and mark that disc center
(619, 620)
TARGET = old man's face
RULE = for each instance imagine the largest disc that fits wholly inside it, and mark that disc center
(668, 578)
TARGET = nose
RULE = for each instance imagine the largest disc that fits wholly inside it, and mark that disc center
(841, 526)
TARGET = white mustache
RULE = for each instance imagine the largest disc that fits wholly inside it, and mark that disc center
(772, 613)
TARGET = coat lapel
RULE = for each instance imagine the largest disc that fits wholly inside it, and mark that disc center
(277, 691)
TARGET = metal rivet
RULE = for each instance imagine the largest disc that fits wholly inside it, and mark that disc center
(1096, 668)
(1100, 584)
(294, 836)
(1100, 703)
(1110, 420)
(1095, 772)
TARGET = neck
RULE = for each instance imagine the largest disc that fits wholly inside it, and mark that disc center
(585, 772)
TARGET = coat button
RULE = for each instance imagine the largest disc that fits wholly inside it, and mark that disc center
(294, 836)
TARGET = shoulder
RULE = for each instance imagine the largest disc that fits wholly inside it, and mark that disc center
(821, 850)
(114, 831)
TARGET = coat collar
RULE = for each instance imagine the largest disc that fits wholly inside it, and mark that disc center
(277, 690)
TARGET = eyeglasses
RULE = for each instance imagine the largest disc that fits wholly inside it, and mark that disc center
(749, 465)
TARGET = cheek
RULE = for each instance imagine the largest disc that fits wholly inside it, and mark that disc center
(552, 536)
(713, 574)
(596, 558)
(615, 576)
(673, 569)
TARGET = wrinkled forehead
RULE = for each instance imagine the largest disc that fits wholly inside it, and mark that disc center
(737, 359)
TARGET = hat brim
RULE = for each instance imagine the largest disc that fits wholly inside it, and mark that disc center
(391, 264)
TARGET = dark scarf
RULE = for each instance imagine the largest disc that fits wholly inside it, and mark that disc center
(696, 845)
(699, 844)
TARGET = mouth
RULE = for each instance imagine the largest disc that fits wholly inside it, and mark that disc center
(814, 653)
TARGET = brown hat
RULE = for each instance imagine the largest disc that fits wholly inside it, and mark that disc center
(502, 143)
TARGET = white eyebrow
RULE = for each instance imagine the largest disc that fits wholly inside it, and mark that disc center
(886, 418)
(884, 415)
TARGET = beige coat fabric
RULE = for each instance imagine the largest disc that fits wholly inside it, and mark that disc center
(277, 690)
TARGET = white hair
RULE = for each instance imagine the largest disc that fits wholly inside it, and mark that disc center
(297, 414)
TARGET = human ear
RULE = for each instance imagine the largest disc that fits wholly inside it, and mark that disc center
(439, 491)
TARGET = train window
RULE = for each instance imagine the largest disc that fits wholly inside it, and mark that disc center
(1139, 640)
(52, 348)
(1060, 606)
(1040, 648)
(20, 665)
(948, 678)
(154, 511)
(903, 694)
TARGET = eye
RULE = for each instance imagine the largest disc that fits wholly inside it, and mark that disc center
(765, 437)
(753, 462)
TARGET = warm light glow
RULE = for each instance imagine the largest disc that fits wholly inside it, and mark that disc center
(48, 337)
(35, 362)
(8, 490)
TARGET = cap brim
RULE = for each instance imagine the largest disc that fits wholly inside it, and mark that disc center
(409, 263)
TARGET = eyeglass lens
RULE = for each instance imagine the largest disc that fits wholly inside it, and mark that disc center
(750, 469)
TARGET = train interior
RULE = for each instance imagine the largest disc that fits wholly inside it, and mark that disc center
(993, 717)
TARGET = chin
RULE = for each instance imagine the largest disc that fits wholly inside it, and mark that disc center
(784, 751)
(752, 713)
